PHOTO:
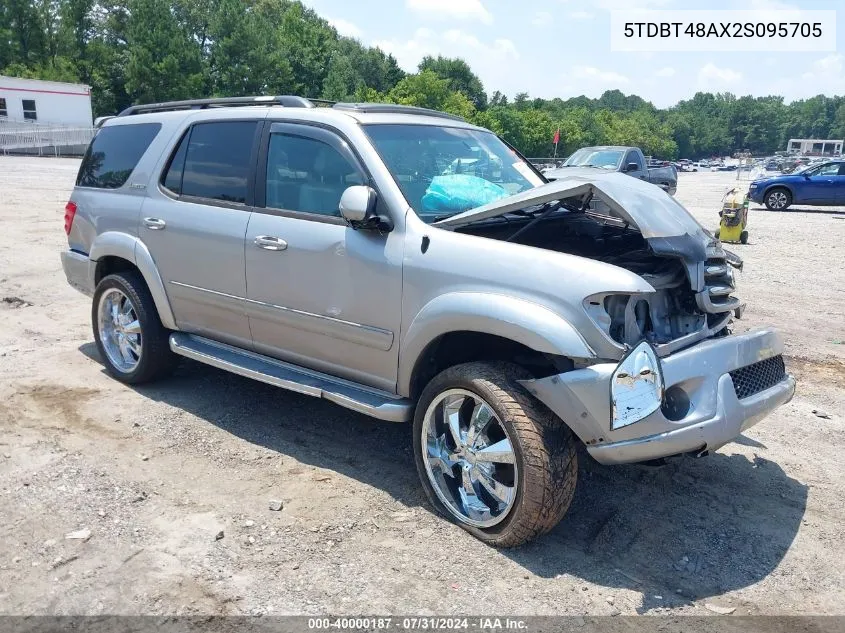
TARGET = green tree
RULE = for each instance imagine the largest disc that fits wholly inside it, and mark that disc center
(342, 81)
(245, 56)
(459, 76)
(163, 64)
(427, 90)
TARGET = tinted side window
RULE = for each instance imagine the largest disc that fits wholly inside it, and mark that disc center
(114, 153)
(304, 174)
(217, 160)
(172, 178)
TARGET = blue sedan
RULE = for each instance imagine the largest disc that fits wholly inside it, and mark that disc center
(822, 185)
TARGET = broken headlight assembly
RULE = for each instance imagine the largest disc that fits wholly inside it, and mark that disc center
(636, 387)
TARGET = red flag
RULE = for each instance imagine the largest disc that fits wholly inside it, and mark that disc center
(556, 139)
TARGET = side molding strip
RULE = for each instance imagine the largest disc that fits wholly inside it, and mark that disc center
(366, 335)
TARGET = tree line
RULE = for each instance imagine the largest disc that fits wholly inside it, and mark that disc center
(142, 51)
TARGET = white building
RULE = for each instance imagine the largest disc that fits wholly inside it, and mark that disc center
(815, 146)
(45, 102)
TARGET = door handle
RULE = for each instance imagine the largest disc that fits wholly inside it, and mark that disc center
(154, 224)
(270, 243)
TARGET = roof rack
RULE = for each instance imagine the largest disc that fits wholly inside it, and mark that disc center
(289, 101)
(389, 108)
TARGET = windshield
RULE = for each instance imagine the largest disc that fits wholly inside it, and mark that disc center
(595, 157)
(445, 170)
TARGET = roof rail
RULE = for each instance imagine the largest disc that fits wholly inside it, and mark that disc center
(289, 101)
(390, 108)
(98, 122)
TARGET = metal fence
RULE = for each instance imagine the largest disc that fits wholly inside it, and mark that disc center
(43, 139)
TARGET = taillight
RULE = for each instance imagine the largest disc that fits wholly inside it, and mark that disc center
(70, 212)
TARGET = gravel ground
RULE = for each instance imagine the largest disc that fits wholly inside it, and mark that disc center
(168, 486)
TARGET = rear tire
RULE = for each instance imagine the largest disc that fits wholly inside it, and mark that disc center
(743, 237)
(778, 199)
(132, 342)
(544, 466)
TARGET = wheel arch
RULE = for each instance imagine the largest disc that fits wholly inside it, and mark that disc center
(109, 252)
(779, 185)
(456, 326)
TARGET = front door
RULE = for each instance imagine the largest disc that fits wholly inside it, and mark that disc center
(320, 294)
(194, 226)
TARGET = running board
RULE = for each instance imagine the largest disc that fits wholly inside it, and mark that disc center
(372, 402)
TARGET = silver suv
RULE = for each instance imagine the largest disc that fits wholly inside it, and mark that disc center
(408, 265)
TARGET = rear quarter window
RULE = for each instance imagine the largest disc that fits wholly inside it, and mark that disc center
(114, 153)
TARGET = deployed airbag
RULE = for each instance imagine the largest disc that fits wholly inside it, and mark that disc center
(459, 192)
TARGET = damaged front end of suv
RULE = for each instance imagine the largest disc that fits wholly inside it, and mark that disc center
(672, 379)
(636, 227)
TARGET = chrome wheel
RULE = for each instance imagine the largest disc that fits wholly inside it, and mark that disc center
(469, 458)
(778, 200)
(119, 330)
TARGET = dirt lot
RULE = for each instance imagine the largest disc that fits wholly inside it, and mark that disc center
(157, 473)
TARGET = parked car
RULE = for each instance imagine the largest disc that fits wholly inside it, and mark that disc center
(626, 160)
(822, 184)
(335, 253)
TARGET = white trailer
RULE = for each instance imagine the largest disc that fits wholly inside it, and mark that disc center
(45, 102)
(815, 146)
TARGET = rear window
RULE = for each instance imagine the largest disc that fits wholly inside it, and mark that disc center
(114, 153)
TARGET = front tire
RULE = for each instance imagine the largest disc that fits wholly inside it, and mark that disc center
(778, 199)
(492, 458)
(132, 342)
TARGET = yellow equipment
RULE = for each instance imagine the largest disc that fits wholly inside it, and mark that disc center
(733, 217)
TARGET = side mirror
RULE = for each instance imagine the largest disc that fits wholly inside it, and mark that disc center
(632, 167)
(358, 207)
(356, 203)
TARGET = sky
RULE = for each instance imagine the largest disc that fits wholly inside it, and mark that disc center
(561, 48)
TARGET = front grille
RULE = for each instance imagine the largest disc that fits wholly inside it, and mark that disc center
(758, 377)
(719, 286)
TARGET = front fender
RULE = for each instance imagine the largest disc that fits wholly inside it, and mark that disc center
(132, 249)
(790, 187)
(522, 321)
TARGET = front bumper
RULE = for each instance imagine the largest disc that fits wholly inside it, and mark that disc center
(716, 415)
(78, 270)
(756, 195)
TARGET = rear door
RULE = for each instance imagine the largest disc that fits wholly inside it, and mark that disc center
(194, 225)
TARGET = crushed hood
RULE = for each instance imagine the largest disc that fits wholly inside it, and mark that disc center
(650, 209)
